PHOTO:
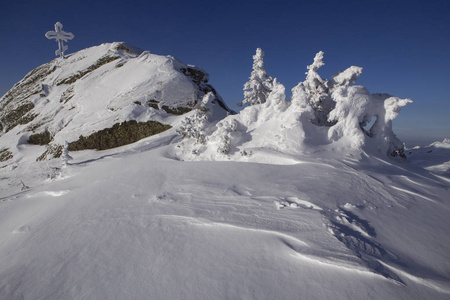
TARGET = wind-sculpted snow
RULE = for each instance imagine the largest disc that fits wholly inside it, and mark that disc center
(135, 221)
(321, 116)
(358, 235)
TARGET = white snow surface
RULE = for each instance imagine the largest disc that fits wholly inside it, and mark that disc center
(136, 223)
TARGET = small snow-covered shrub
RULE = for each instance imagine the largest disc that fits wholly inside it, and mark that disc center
(199, 130)
(65, 156)
(192, 127)
(223, 135)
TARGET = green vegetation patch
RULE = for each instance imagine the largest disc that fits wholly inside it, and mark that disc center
(18, 116)
(43, 138)
(67, 95)
(27, 119)
(119, 135)
(176, 110)
(33, 126)
(120, 64)
(124, 48)
(153, 103)
(29, 85)
(102, 61)
(196, 75)
(5, 154)
(170, 110)
(53, 151)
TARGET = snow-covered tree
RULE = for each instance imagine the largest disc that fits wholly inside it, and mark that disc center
(193, 127)
(224, 135)
(65, 157)
(386, 108)
(277, 97)
(304, 111)
(258, 88)
(344, 78)
(352, 109)
(322, 113)
(318, 92)
(299, 96)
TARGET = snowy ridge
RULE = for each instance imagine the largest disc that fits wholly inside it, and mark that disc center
(96, 88)
(434, 157)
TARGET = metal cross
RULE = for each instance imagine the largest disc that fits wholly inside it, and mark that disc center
(60, 36)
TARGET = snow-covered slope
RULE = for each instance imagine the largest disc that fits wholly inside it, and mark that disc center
(96, 88)
(135, 223)
(434, 157)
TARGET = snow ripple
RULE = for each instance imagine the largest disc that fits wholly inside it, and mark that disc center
(49, 193)
(358, 236)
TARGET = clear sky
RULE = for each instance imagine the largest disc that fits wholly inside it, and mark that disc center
(403, 46)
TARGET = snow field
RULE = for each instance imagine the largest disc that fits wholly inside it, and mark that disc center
(135, 222)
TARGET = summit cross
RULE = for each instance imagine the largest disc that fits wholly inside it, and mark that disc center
(60, 36)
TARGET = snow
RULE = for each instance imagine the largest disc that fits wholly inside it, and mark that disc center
(434, 157)
(321, 116)
(113, 92)
(281, 211)
(257, 89)
(136, 222)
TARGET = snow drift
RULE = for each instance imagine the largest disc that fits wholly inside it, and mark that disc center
(321, 116)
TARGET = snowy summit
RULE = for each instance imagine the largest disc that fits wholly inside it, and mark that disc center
(124, 175)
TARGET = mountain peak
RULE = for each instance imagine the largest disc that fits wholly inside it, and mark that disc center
(96, 88)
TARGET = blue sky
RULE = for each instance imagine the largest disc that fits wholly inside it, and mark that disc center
(403, 46)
